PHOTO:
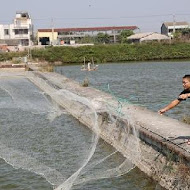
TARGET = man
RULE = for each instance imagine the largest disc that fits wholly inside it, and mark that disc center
(183, 95)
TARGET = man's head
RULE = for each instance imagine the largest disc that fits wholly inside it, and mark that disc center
(186, 82)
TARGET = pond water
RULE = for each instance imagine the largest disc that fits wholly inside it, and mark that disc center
(149, 84)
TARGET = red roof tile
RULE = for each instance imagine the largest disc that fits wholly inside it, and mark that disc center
(89, 29)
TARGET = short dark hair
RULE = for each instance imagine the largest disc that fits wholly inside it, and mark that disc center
(187, 77)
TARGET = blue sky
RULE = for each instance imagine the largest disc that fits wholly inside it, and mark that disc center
(148, 15)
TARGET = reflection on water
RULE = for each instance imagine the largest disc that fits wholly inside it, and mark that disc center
(45, 145)
(149, 84)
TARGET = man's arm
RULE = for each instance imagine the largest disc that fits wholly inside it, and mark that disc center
(169, 106)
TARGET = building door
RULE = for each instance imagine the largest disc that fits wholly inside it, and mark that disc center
(44, 40)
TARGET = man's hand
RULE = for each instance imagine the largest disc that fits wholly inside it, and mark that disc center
(162, 111)
(183, 96)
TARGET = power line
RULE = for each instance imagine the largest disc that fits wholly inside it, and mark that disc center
(105, 18)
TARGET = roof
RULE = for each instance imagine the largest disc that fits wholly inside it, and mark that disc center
(176, 23)
(139, 35)
(156, 36)
(148, 36)
(90, 29)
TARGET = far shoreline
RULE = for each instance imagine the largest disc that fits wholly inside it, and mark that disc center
(112, 53)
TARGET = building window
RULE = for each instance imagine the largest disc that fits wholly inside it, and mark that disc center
(6, 31)
(21, 31)
(170, 30)
(64, 33)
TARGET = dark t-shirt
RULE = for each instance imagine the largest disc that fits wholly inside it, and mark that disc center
(183, 92)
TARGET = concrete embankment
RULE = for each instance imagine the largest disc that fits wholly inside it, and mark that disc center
(159, 149)
(9, 67)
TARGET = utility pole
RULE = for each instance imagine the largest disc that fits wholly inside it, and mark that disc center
(174, 23)
(52, 31)
(114, 37)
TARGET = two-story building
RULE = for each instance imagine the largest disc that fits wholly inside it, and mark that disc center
(18, 33)
(169, 28)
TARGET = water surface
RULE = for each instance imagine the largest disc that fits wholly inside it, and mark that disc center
(41, 145)
(149, 84)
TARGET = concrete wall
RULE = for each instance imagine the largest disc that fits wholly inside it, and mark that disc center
(51, 35)
(156, 144)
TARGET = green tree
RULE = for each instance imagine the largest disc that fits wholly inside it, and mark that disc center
(86, 39)
(186, 32)
(177, 35)
(102, 38)
(122, 38)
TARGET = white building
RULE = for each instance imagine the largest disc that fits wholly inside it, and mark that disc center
(20, 31)
(169, 28)
(147, 37)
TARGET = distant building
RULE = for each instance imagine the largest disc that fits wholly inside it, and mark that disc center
(18, 33)
(147, 37)
(168, 28)
(52, 36)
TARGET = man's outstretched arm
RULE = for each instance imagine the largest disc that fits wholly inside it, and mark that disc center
(169, 106)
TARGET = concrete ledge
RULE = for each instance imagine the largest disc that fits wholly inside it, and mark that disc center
(12, 67)
(164, 155)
